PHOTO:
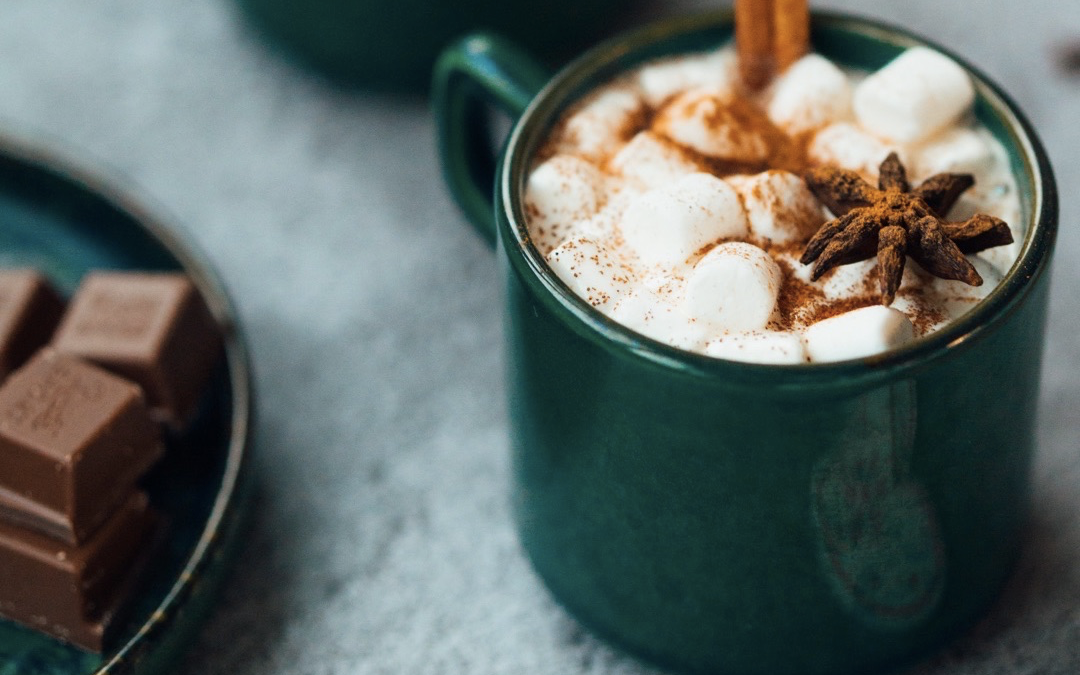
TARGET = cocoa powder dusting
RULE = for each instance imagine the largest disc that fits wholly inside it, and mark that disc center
(799, 303)
(641, 120)
(921, 310)
(795, 297)
(832, 308)
(783, 151)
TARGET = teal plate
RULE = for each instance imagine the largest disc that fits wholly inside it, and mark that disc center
(64, 223)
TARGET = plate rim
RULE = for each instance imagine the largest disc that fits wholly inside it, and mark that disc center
(218, 530)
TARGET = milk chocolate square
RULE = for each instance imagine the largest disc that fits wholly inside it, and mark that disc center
(29, 310)
(152, 328)
(74, 439)
(75, 592)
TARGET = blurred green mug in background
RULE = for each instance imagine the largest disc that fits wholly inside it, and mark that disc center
(392, 45)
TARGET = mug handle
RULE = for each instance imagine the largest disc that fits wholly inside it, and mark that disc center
(478, 72)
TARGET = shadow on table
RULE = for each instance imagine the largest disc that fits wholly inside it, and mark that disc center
(1033, 624)
(251, 611)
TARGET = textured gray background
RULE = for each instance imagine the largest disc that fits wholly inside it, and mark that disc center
(382, 543)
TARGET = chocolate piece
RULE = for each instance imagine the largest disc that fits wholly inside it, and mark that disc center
(74, 593)
(153, 329)
(29, 312)
(73, 441)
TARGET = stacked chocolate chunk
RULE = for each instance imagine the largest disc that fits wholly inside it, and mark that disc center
(79, 427)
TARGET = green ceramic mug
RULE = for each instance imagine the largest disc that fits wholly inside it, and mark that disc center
(394, 45)
(721, 517)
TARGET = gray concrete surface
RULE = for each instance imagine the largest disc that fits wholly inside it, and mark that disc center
(382, 543)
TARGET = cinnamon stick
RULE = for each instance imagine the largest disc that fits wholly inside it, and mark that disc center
(753, 41)
(770, 35)
(791, 31)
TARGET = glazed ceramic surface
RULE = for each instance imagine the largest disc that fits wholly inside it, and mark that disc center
(393, 45)
(58, 220)
(721, 517)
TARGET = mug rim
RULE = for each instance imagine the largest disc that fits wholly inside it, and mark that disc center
(593, 325)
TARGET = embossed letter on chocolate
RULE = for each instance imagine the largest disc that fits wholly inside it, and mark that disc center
(152, 328)
(29, 311)
(74, 440)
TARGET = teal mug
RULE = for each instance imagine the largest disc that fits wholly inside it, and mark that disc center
(719, 517)
(393, 45)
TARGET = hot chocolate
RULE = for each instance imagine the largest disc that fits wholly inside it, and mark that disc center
(680, 202)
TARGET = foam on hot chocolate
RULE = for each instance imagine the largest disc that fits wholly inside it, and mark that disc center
(673, 202)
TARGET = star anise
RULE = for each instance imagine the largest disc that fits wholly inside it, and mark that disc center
(894, 221)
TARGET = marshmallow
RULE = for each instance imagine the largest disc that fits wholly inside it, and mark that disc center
(914, 96)
(764, 347)
(858, 333)
(954, 308)
(603, 225)
(958, 150)
(650, 161)
(849, 147)
(560, 192)
(857, 278)
(995, 194)
(808, 95)
(1003, 257)
(779, 206)
(652, 309)
(590, 270)
(597, 129)
(968, 205)
(790, 258)
(851, 280)
(925, 312)
(631, 217)
(711, 122)
(669, 224)
(733, 287)
(661, 80)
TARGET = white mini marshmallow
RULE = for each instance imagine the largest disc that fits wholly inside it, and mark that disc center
(1003, 257)
(937, 301)
(849, 147)
(590, 270)
(790, 259)
(561, 192)
(914, 96)
(958, 150)
(653, 310)
(811, 93)
(858, 333)
(779, 206)
(858, 278)
(669, 224)
(997, 197)
(733, 288)
(650, 161)
(759, 347)
(711, 122)
(931, 315)
(661, 80)
(597, 129)
(603, 225)
(851, 280)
